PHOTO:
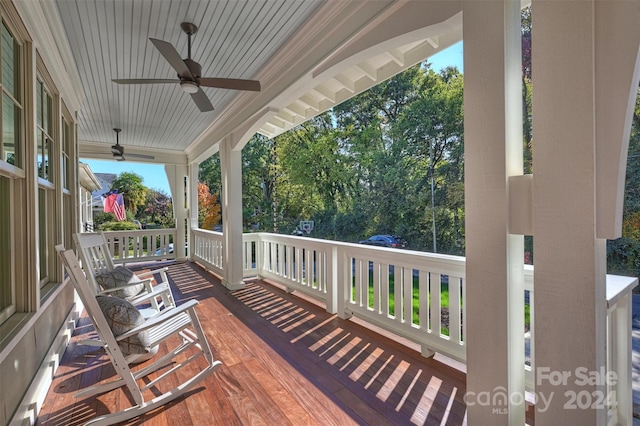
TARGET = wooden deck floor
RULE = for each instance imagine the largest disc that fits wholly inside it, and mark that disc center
(286, 362)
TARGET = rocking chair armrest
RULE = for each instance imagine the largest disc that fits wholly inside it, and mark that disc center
(157, 320)
(154, 271)
(157, 290)
(120, 287)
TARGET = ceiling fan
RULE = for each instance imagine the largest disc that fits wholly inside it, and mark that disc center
(118, 150)
(189, 73)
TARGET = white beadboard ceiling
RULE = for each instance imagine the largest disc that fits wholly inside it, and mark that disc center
(110, 40)
(309, 55)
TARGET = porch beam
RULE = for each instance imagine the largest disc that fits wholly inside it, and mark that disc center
(617, 76)
(570, 260)
(494, 299)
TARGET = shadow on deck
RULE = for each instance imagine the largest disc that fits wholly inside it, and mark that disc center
(285, 361)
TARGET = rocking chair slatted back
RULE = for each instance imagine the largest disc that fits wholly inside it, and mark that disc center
(95, 252)
(96, 258)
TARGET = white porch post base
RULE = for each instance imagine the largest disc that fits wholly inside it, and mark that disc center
(426, 352)
(233, 286)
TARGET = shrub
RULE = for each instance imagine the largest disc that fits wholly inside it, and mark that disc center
(118, 226)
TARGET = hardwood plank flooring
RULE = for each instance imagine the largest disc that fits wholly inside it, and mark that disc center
(286, 361)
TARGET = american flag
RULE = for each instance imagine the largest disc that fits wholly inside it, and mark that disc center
(114, 203)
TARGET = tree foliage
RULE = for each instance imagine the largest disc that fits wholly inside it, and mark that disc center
(208, 207)
(623, 254)
(158, 209)
(366, 166)
(133, 191)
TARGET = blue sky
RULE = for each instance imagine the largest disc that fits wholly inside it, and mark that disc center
(450, 56)
(154, 176)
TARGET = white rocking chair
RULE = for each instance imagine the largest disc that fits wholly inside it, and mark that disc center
(181, 321)
(97, 262)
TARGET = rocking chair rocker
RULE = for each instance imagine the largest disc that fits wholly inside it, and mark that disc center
(181, 321)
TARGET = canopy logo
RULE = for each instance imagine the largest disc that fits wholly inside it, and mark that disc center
(499, 398)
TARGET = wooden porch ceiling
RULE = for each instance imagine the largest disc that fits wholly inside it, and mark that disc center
(286, 361)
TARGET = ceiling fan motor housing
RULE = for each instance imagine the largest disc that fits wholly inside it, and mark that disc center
(117, 149)
(194, 67)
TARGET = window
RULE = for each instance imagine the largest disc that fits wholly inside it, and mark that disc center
(7, 282)
(66, 175)
(66, 153)
(48, 220)
(44, 118)
(37, 174)
(11, 168)
(11, 148)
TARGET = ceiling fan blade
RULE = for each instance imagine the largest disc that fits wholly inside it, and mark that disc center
(202, 101)
(231, 83)
(173, 57)
(148, 157)
(145, 81)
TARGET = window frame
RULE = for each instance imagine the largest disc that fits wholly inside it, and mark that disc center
(50, 183)
(16, 175)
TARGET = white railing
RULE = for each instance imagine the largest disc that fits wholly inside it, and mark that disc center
(207, 249)
(619, 348)
(416, 295)
(409, 293)
(301, 264)
(141, 245)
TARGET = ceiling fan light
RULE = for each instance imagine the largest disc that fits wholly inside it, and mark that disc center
(189, 87)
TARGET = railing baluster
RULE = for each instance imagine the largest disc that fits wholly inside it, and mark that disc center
(376, 288)
(407, 284)
(436, 308)
(384, 287)
(454, 309)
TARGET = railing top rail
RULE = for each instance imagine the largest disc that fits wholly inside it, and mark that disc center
(619, 286)
(160, 231)
(206, 231)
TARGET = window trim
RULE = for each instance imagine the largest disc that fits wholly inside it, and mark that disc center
(52, 185)
(16, 176)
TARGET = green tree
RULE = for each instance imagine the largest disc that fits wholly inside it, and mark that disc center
(432, 127)
(257, 184)
(133, 192)
(209, 173)
(623, 254)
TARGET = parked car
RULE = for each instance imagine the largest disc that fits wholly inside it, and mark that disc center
(168, 250)
(385, 241)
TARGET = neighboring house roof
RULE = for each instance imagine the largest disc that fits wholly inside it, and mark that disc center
(105, 180)
(107, 177)
(88, 179)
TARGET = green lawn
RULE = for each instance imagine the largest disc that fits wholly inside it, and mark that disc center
(444, 300)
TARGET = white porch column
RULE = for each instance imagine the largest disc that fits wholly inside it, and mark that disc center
(495, 273)
(231, 169)
(570, 262)
(192, 203)
(177, 175)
